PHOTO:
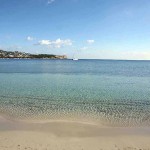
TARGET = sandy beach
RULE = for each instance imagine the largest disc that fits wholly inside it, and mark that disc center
(65, 135)
(74, 74)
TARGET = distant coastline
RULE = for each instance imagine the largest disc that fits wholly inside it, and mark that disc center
(23, 55)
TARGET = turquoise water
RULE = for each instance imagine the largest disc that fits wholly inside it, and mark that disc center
(106, 91)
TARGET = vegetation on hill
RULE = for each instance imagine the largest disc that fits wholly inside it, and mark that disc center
(16, 54)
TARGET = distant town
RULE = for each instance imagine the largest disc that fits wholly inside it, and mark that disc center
(23, 55)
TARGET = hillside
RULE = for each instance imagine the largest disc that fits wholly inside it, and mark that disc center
(17, 54)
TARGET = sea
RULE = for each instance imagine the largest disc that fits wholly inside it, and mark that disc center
(108, 92)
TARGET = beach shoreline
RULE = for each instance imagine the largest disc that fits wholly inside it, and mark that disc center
(59, 135)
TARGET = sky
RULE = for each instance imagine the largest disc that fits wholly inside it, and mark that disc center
(88, 29)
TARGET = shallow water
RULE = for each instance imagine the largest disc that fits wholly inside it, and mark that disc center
(115, 93)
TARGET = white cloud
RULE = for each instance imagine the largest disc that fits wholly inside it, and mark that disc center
(55, 44)
(90, 41)
(50, 1)
(44, 42)
(29, 38)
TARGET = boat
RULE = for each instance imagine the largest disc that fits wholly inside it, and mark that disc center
(75, 56)
(75, 59)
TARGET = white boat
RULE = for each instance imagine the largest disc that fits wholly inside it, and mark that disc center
(75, 59)
(74, 56)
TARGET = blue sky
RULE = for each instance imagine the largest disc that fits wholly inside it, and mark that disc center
(101, 29)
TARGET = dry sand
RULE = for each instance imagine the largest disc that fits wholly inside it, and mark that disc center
(65, 135)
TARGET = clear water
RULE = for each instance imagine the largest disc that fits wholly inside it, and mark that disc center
(115, 93)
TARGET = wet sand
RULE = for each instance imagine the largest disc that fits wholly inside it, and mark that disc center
(66, 135)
